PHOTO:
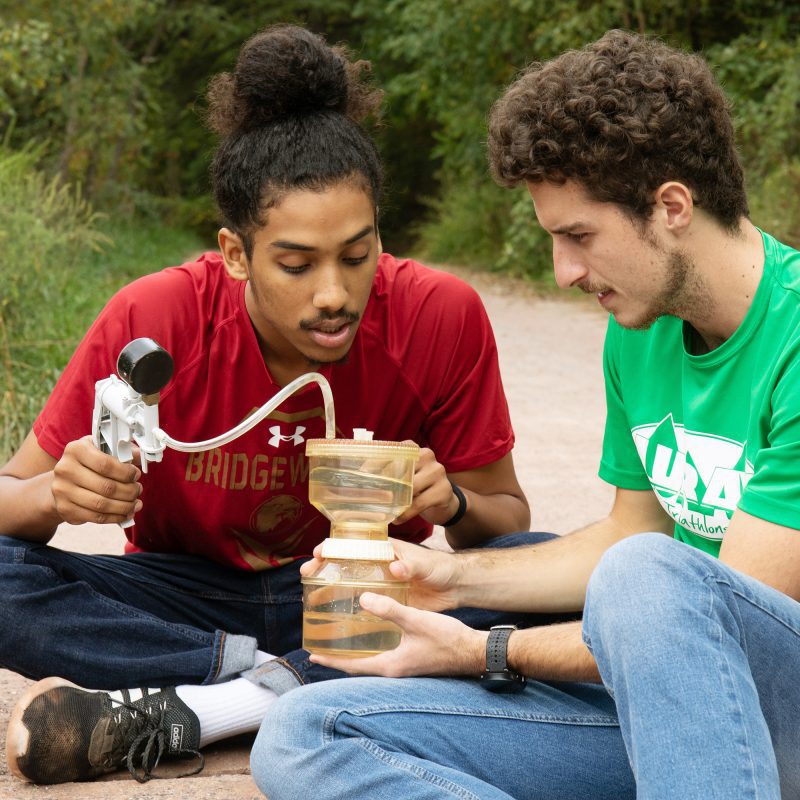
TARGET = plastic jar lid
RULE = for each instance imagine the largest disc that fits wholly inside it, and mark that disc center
(363, 448)
(366, 549)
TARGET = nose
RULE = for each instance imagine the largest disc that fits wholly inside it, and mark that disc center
(567, 266)
(330, 291)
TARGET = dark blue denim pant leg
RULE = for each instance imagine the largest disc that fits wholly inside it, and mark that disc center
(139, 619)
(294, 669)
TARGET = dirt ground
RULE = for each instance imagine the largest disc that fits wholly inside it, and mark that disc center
(550, 354)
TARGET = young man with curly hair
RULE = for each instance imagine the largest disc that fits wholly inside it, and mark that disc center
(681, 680)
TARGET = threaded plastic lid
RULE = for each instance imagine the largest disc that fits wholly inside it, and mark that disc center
(359, 447)
(367, 549)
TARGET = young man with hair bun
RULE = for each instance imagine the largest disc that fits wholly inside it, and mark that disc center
(209, 590)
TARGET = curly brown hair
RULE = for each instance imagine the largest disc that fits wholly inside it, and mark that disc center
(621, 116)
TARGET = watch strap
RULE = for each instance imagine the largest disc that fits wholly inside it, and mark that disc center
(497, 648)
(462, 507)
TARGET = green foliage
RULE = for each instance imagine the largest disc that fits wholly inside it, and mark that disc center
(62, 263)
(527, 249)
(466, 224)
(113, 92)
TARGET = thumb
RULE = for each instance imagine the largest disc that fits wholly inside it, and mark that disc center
(384, 607)
(410, 563)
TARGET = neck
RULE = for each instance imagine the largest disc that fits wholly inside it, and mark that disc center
(727, 271)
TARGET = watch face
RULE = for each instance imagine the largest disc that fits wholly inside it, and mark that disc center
(503, 682)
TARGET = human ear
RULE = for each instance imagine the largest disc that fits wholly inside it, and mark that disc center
(232, 249)
(675, 203)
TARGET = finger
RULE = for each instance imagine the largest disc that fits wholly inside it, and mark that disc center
(310, 567)
(84, 453)
(76, 514)
(104, 488)
(352, 666)
(412, 561)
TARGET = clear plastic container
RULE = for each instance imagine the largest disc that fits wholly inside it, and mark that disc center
(361, 486)
(334, 622)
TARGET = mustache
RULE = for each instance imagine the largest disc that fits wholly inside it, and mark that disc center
(591, 288)
(325, 316)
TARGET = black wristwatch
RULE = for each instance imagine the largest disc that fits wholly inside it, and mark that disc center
(498, 677)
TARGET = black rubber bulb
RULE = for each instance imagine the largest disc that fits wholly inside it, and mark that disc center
(144, 365)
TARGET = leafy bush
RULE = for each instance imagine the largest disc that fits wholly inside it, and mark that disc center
(63, 260)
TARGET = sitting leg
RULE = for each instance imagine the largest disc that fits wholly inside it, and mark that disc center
(703, 663)
(437, 738)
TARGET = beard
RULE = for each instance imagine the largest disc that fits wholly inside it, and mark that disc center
(314, 364)
(684, 294)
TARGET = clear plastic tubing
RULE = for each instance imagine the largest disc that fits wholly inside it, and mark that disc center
(254, 419)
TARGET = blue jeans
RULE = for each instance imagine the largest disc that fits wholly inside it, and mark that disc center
(150, 619)
(701, 702)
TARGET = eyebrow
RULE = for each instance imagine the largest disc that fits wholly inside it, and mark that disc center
(571, 228)
(284, 245)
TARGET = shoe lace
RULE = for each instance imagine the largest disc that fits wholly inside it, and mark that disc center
(144, 728)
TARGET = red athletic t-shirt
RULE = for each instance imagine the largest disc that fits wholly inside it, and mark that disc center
(423, 366)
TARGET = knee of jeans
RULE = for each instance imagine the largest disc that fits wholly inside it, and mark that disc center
(290, 732)
(634, 585)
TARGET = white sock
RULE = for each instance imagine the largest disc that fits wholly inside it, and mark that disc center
(261, 657)
(229, 708)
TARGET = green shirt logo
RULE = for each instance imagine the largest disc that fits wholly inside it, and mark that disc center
(697, 477)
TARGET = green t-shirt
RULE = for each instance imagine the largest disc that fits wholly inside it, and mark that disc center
(714, 432)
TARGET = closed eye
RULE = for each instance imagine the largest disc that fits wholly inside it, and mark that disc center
(354, 262)
(293, 270)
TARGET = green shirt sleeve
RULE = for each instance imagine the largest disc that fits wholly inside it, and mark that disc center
(773, 493)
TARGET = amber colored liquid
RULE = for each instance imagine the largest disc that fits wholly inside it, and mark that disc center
(335, 624)
(351, 635)
(349, 495)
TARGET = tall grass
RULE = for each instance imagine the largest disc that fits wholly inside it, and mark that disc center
(62, 260)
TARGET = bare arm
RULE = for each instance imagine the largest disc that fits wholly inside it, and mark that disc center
(495, 502)
(551, 576)
(763, 550)
(547, 577)
(38, 492)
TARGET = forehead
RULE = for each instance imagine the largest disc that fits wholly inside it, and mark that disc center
(561, 207)
(303, 214)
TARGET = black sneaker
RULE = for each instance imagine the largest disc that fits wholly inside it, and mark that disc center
(59, 732)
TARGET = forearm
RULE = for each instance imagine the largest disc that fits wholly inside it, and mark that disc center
(548, 653)
(547, 577)
(27, 510)
(552, 653)
(488, 516)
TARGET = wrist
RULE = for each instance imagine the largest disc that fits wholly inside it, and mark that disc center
(474, 650)
(47, 504)
(457, 507)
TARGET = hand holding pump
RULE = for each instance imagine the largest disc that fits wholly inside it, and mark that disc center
(360, 485)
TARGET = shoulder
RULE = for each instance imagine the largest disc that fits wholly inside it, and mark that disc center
(782, 263)
(408, 292)
(413, 280)
(179, 307)
(203, 277)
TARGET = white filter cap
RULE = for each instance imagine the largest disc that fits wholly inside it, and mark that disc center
(366, 549)
(362, 435)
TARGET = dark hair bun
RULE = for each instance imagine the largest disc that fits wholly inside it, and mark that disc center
(284, 70)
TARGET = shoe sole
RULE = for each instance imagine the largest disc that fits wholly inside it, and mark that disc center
(18, 736)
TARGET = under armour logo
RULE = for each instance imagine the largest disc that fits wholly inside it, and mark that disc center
(278, 437)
